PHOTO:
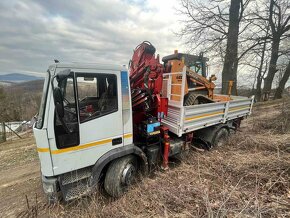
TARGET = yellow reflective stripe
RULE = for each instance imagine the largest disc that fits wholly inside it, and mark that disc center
(216, 113)
(238, 108)
(128, 135)
(79, 147)
(43, 149)
(205, 115)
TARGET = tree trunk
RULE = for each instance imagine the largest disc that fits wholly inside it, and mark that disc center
(258, 89)
(260, 74)
(231, 58)
(272, 67)
(253, 86)
(282, 83)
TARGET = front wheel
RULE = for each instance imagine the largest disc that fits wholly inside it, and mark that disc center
(120, 175)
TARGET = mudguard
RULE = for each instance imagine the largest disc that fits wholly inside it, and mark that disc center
(114, 154)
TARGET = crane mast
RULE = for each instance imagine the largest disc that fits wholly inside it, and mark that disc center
(148, 105)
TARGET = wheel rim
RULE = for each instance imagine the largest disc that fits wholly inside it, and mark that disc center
(128, 174)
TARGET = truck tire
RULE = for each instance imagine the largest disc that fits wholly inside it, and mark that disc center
(120, 175)
(220, 137)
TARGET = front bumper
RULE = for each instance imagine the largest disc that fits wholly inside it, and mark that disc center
(50, 185)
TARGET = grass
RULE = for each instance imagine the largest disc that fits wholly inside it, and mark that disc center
(249, 176)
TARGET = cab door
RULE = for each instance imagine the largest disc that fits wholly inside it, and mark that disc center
(98, 125)
(100, 109)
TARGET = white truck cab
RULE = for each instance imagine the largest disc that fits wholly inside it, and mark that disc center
(85, 113)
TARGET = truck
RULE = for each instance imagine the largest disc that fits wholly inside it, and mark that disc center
(101, 126)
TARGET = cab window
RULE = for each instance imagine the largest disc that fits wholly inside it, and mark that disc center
(97, 95)
(67, 135)
(197, 67)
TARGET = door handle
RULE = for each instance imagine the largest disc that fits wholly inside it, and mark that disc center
(117, 141)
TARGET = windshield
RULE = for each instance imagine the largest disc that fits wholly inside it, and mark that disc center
(40, 117)
(197, 67)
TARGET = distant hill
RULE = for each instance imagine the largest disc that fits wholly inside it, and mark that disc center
(18, 77)
(29, 86)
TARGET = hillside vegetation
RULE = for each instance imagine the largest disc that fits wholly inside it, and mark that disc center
(20, 101)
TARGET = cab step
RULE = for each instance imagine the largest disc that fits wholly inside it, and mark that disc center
(75, 176)
(75, 190)
(75, 184)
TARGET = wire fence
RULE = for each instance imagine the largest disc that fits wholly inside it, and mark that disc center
(10, 131)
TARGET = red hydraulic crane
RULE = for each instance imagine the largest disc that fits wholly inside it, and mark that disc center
(146, 84)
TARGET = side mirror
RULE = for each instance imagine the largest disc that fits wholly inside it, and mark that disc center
(58, 101)
(62, 75)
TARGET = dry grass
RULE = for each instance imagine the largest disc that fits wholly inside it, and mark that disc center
(247, 177)
(274, 120)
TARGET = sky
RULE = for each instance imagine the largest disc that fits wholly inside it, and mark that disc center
(35, 32)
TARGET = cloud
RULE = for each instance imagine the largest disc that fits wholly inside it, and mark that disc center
(33, 32)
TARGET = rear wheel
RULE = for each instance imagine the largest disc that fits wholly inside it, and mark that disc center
(221, 137)
(120, 175)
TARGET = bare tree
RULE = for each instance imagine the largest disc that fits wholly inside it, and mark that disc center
(261, 72)
(220, 28)
(205, 25)
(282, 83)
(231, 58)
(279, 21)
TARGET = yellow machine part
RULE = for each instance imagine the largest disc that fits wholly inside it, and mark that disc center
(177, 66)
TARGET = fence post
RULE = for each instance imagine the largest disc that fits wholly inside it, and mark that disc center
(3, 132)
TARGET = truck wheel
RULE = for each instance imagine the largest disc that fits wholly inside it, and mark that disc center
(120, 175)
(220, 137)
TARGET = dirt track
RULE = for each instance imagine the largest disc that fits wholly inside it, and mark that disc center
(20, 173)
(19, 176)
